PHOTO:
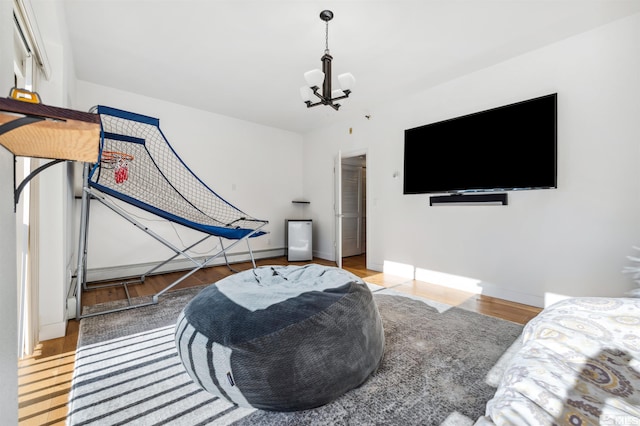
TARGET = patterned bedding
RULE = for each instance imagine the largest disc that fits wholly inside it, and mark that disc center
(579, 365)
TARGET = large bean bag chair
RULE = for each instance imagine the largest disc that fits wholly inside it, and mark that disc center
(281, 338)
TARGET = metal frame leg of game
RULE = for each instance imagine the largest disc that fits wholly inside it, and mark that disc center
(253, 261)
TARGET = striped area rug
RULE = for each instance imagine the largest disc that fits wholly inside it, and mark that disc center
(140, 379)
(436, 370)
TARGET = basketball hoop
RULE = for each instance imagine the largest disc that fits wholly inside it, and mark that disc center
(119, 161)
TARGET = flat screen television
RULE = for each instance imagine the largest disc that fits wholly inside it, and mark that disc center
(512, 147)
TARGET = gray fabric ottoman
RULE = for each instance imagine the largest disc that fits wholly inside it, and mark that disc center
(281, 338)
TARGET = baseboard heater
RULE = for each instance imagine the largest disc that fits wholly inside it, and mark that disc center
(470, 199)
(116, 273)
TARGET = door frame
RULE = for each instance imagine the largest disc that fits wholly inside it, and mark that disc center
(338, 203)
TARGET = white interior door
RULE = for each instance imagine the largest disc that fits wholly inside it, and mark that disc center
(351, 210)
(337, 204)
(363, 210)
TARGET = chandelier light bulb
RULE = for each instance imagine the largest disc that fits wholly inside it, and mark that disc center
(337, 93)
(347, 81)
(314, 78)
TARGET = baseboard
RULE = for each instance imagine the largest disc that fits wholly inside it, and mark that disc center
(374, 266)
(52, 331)
(475, 286)
(136, 270)
(115, 272)
(324, 255)
(71, 306)
(512, 296)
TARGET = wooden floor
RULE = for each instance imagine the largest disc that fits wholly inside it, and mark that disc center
(45, 377)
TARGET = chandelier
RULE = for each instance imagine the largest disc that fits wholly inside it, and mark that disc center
(316, 78)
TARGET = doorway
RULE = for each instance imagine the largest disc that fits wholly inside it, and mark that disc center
(354, 206)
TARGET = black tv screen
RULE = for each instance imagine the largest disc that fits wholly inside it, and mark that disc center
(512, 147)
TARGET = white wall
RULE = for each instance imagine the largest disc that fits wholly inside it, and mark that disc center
(254, 167)
(570, 241)
(9, 299)
(55, 231)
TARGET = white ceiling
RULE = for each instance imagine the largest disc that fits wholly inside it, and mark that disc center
(245, 59)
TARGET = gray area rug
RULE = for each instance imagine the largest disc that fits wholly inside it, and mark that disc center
(441, 366)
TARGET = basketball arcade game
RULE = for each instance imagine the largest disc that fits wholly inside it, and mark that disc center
(138, 166)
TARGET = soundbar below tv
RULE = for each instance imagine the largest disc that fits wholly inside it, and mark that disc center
(512, 147)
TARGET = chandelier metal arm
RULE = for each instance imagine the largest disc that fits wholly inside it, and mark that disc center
(332, 105)
(346, 95)
(326, 101)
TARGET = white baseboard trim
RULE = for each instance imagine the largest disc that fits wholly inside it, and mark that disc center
(122, 271)
(52, 331)
(71, 306)
(324, 255)
(374, 266)
(475, 286)
(513, 296)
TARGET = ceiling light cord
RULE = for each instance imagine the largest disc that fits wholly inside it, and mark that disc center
(326, 38)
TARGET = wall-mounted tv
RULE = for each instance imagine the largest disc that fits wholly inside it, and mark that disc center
(512, 147)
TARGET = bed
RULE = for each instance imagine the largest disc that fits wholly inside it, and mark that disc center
(579, 365)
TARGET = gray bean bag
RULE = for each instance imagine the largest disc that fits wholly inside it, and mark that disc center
(281, 338)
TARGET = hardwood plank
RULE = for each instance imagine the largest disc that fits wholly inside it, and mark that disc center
(434, 292)
(504, 309)
(385, 280)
